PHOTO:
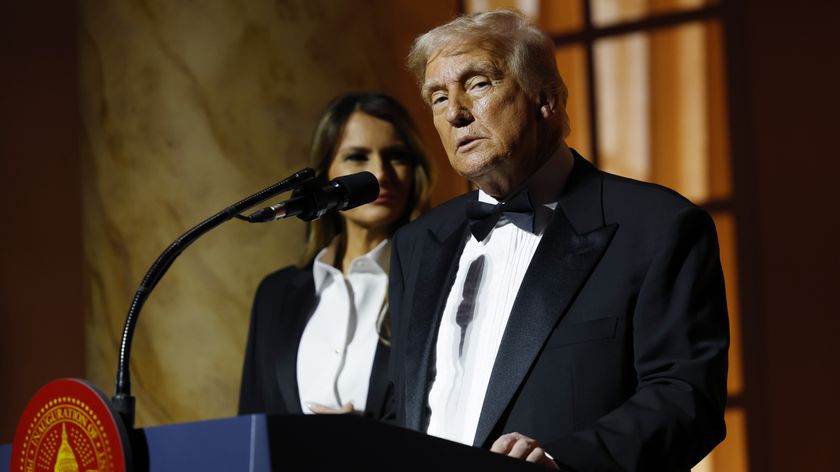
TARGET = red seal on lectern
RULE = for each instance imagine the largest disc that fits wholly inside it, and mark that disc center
(68, 426)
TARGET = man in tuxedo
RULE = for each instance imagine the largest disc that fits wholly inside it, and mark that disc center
(558, 314)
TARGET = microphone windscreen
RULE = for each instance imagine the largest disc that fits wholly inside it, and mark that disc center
(361, 188)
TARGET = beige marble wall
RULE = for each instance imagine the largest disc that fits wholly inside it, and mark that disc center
(188, 107)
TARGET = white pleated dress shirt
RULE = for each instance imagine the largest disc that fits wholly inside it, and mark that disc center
(462, 375)
(338, 345)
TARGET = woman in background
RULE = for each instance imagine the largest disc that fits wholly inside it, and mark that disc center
(320, 333)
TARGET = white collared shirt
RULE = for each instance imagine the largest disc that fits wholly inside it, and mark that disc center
(338, 345)
(457, 393)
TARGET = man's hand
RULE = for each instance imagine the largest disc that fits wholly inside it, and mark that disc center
(319, 409)
(520, 446)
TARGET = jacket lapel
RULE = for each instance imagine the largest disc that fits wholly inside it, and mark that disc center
(568, 257)
(290, 321)
(435, 274)
(375, 404)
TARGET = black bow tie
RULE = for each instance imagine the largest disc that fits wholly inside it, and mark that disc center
(484, 216)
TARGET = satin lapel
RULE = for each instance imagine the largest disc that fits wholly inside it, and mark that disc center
(562, 263)
(290, 320)
(436, 272)
(378, 383)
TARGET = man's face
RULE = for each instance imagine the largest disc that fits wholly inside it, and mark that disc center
(485, 120)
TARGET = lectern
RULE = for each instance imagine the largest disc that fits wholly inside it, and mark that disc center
(299, 442)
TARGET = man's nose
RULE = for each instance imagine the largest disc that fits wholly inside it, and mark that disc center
(458, 113)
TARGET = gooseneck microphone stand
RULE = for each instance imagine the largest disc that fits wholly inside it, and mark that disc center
(123, 401)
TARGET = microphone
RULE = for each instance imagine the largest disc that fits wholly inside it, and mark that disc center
(123, 401)
(310, 202)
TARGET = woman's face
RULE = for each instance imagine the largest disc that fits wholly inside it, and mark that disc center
(373, 145)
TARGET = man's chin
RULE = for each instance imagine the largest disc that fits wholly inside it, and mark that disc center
(475, 169)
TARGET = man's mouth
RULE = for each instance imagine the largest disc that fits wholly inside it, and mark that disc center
(465, 142)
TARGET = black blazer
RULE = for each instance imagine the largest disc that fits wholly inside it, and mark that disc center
(615, 353)
(282, 306)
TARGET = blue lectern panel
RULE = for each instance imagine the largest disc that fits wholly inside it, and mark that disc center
(238, 443)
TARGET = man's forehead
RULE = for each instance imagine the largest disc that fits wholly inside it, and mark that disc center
(459, 61)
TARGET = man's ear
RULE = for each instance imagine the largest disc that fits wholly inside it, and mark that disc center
(547, 104)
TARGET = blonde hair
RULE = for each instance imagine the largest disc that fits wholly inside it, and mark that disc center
(521, 48)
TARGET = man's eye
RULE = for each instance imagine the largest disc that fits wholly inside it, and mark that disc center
(480, 85)
(436, 100)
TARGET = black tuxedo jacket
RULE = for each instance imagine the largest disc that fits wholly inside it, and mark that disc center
(615, 353)
(282, 306)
